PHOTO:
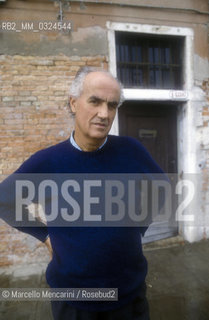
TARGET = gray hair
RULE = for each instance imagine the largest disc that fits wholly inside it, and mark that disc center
(76, 87)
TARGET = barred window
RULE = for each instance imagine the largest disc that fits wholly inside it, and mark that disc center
(152, 62)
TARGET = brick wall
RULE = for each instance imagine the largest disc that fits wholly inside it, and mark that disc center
(33, 115)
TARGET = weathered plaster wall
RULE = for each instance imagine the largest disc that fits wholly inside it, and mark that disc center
(82, 42)
(202, 107)
(89, 24)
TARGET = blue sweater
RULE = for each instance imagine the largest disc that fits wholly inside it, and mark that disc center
(97, 257)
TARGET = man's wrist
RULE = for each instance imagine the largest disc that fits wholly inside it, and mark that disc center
(46, 238)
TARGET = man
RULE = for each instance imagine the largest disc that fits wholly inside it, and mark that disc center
(95, 257)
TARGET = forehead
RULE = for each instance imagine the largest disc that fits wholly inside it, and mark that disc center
(101, 84)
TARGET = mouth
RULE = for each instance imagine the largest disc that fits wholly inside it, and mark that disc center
(100, 125)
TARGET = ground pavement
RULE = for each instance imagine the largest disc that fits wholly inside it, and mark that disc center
(177, 283)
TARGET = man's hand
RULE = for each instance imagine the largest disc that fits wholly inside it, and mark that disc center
(47, 242)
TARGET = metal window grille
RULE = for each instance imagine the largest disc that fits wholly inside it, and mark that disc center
(149, 61)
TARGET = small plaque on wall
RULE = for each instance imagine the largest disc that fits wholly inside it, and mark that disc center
(147, 133)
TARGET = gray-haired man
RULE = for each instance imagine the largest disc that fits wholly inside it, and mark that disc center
(95, 257)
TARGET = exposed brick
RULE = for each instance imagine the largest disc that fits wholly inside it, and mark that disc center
(7, 99)
(24, 93)
(28, 98)
(42, 62)
(25, 104)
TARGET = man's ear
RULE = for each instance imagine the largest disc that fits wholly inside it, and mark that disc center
(72, 101)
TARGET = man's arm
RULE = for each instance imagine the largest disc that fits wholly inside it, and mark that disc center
(47, 242)
(8, 211)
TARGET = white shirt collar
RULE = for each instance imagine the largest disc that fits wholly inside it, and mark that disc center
(72, 140)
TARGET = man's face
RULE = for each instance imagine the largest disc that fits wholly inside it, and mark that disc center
(95, 109)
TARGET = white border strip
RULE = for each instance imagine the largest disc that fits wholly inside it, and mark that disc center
(151, 29)
(156, 95)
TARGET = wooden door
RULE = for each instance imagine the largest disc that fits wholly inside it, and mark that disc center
(154, 125)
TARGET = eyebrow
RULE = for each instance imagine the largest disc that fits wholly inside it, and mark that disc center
(114, 102)
(95, 98)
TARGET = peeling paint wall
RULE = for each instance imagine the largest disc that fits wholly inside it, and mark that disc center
(89, 41)
(201, 107)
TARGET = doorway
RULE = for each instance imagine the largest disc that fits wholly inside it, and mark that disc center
(154, 124)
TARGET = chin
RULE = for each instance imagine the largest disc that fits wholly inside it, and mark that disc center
(99, 136)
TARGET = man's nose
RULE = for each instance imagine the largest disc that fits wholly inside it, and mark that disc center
(103, 110)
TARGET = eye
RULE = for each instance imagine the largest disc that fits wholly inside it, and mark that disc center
(112, 105)
(94, 101)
